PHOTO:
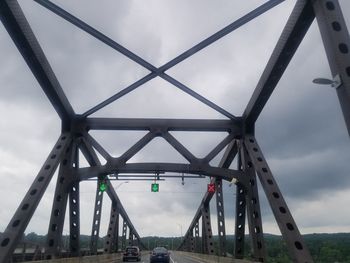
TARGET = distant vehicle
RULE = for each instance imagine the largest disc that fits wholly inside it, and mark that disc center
(159, 254)
(132, 253)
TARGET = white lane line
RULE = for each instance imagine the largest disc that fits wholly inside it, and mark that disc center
(172, 260)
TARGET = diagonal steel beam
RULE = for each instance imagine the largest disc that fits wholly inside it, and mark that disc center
(18, 28)
(93, 160)
(210, 156)
(296, 246)
(225, 162)
(179, 147)
(336, 41)
(95, 33)
(292, 35)
(136, 147)
(223, 32)
(197, 96)
(114, 197)
(120, 94)
(20, 220)
(158, 71)
(154, 71)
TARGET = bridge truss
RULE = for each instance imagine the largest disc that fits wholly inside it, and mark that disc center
(240, 140)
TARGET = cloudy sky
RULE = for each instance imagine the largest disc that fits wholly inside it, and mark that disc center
(301, 130)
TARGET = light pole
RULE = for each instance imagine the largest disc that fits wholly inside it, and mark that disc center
(119, 185)
(180, 229)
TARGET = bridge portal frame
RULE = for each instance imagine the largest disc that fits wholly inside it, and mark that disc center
(75, 127)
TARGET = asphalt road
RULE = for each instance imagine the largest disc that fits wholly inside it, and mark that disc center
(175, 257)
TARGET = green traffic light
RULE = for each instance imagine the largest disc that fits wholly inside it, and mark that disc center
(155, 188)
(103, 186)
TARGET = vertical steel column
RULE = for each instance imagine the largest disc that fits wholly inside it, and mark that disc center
(15, 229)
(196, 234)
(336, 41)
(74, 220)
(207, 231)
(253, 209)
(24, 252)
(240, 215)
(116, 234)
(96, 221)
(124, 234)
(37, 252)
(221, 218)
(290, 232)
(59, 205)
(74, 213)
(112, 240)
(131, 237)
(188, 241)
(192, 242)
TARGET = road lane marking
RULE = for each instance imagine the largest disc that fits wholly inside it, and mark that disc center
(172, 260)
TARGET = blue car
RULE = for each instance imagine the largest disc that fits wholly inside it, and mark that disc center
(160, 254)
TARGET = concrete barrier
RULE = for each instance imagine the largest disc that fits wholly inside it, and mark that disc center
(104, 258)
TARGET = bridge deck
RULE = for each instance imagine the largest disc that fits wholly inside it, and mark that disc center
(176, 257)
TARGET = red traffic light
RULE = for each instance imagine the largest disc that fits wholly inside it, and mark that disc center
(211, 188)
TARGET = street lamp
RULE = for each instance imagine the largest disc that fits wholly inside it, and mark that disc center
(180, 229)
(335, 83)
(119, 185)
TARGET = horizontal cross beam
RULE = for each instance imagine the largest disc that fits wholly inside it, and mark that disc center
(160, 124)
(201, 169)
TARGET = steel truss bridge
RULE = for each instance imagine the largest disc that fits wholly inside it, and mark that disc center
(240, 141)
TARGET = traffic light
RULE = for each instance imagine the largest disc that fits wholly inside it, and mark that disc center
(211, 188)
(155, 187)
(102, 184)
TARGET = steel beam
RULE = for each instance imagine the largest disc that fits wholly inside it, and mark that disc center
(240, 215)
(207, 234)
(290, 232)
(18, 28)
(136, 124)
(180, 148)
(111, 243)
(114, 197)
(131, 237)
(336, 41)
(160, 71)
(221, 217)
(15, 229)
(74, 213)
(253, 210)
(197, 239)
(201, 169)
(93, 160)
(96, 221)
(229, 155)
(292, 35)
(197, 96)
(74, 220)
(240, 222)
(124, 234)
(59, 204)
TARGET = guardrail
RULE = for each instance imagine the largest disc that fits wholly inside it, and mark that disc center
(104, 258)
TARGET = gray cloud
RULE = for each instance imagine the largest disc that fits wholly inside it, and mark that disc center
(301, 130)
